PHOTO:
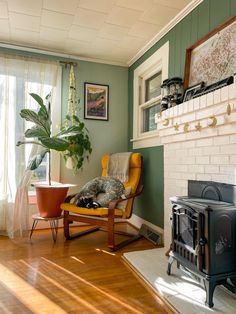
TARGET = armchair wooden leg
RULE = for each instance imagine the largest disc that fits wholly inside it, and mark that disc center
(68, 220)
(66, 225)
(111, 229)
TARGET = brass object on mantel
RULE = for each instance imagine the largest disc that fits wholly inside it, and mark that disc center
(186, 127)
(166, 122)
(198, 126)
(213, 122)
(229, 109)
(176, 126)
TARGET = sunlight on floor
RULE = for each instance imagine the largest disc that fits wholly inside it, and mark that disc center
(180, 290)
(36, 299)
(104, 251)
(97, 289)
(67, 291)
(76, 259)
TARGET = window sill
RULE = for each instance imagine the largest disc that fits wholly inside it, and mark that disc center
(145, 141)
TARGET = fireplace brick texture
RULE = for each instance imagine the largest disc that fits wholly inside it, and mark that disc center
(208, 154)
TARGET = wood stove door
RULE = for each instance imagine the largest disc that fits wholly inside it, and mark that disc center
(185, 232)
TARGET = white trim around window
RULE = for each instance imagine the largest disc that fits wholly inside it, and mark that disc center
(154, 64)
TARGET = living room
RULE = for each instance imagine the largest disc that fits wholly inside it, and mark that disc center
(129, 56)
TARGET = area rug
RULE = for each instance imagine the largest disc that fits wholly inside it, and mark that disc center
(181, 291)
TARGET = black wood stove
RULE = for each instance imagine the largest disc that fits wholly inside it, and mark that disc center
(204, 234)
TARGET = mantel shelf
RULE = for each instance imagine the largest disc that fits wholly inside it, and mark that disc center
(199, 117)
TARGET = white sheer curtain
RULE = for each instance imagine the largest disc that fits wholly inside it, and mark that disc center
(19, 76)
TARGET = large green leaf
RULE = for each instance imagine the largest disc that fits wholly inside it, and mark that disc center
(28, 142)
(36, 131)
(69, 132)
(35, 161)
(43, 111)
(39, 100)
(54, 143)
(32, 116)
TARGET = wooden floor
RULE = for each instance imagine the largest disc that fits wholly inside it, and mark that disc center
(77, 276)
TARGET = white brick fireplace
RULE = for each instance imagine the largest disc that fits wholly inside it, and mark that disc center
(199, 138)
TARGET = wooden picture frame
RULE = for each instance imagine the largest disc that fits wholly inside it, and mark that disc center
(96, 101)
(207, 54)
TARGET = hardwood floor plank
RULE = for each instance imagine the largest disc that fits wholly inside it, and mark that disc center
(74, 276)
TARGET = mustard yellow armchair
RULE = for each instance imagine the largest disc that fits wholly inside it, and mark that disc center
(109, 215)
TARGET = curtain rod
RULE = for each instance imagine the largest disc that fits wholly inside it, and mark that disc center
(68, 63)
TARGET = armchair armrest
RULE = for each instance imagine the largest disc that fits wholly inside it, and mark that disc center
(113, 203)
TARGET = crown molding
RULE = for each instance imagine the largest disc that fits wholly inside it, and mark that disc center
(59, 54)
(191, 6)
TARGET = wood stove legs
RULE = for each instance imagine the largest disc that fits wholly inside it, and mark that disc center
(209, 287)
(209, 283)
(170, 262)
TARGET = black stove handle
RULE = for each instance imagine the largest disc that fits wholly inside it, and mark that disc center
(201, 242)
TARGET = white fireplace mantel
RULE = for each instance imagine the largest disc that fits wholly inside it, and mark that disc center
(203, 110)
(199, 138)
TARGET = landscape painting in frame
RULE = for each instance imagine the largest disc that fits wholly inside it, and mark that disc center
(96, 98)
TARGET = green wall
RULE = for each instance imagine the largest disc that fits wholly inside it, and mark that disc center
(106, 136)
(198, 23)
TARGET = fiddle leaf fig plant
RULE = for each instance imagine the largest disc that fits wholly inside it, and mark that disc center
(72, 140)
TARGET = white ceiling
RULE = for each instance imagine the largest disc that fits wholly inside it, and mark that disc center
(109, 30)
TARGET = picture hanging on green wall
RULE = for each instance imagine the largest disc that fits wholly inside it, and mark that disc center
(96, 98)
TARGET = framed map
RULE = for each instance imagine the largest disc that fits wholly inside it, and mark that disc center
(212, 58)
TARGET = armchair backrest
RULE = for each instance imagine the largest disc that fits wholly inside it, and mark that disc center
(135, 170)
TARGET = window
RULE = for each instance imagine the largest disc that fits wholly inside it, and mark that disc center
(148, 78)
(20, 76)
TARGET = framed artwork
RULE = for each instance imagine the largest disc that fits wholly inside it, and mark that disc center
(96, 100)
(212, 58)
(188, 93)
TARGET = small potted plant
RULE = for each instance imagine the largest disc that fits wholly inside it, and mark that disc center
(72, 140)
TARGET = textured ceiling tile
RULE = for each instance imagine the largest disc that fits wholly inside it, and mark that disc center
(77, 47)
(5, 37)
(180, 4)
(130, 42)
(114, 32)
(158, 14)
(62, 6)
(100, 6)
(51, 45)
(88, 18)
(144, 30)
(123, 16)
(82, 33)
(3, 10)
(31, 7)
(22, 21)
(139, 5)
(24, 37)
(111, 30)
(4, 26)
(105, 44)
(56, 19)
(52, 33)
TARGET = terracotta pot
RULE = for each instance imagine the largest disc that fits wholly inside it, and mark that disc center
(49, 199)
